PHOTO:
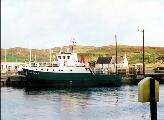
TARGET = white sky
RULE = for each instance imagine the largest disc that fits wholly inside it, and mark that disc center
(50, 23)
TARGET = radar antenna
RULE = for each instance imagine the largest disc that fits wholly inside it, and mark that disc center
(73, 43)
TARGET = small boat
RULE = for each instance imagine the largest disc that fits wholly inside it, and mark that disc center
(67, 71)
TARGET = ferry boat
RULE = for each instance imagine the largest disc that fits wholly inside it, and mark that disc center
(67, 71)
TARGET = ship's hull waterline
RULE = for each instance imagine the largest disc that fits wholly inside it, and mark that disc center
(51, 79)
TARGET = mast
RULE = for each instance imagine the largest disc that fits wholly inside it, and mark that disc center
(73, 43)
(30, 56)
(35, 57)
(50, 54)
(5, 58)
(5, 54)
(30, 53)
(143, 54)
(116, 52)
(143, 51)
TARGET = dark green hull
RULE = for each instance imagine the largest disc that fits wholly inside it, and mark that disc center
(49, 79)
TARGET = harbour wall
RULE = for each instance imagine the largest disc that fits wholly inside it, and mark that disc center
(11, 78)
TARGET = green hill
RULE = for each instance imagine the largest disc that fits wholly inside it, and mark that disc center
(134, 53)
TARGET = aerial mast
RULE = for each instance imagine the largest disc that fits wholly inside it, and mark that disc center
(50, 54)
(5, 53)
(30, 52)
(73, 43)
(143, 52)
(5, 56)
(116, 52)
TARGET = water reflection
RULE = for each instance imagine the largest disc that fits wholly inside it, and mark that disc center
(103, 103)
(73, 101)
(107, 101)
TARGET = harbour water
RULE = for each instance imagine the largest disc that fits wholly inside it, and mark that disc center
(105, 103)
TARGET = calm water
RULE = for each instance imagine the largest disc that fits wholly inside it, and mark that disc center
(76, 104)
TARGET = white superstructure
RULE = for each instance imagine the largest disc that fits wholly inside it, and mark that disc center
(64, 62)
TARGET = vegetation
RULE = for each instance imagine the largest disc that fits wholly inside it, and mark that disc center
(134, 53)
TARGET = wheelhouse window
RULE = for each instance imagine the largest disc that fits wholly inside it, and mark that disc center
(59, 57)
(68, 57)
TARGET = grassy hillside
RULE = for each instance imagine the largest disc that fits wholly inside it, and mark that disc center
(134, 53)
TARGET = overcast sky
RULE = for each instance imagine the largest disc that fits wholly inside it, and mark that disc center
(50, 23)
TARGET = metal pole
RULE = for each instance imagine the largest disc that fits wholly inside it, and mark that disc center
(143, 53)
(116, 52)
(35, 57)
(30, 51)
(5, 59)
(50, 55)
(5, 54)
(30, 56)
(153, 103)
(73, 42)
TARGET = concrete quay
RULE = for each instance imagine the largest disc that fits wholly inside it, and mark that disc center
(11, 78)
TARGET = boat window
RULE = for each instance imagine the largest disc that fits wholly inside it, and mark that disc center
(59, 57)
(61, 70)
(68, 57)
(53, 69)
(70, 70)
(41, 69)
(63, 57)
(47, 69)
